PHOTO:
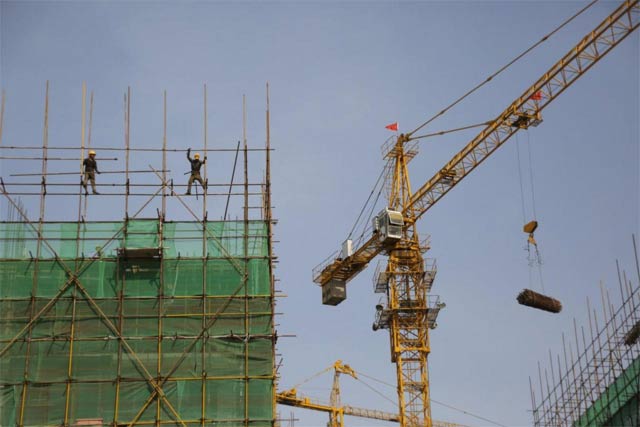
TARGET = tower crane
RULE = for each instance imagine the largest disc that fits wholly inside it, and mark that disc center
(410, 310)
(335, 409)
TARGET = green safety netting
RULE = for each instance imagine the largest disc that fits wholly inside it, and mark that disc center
(619, 404)
(199, 317)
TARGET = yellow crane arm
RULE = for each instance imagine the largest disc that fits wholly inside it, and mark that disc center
(525, 110)
(291, 399)
(522, 113)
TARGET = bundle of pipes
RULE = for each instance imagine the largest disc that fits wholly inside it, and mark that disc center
(632, 336)
(542, 302)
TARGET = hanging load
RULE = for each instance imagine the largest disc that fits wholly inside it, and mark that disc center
(542, 302)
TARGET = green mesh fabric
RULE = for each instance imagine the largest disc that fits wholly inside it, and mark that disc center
(197, 322)
(619, 404)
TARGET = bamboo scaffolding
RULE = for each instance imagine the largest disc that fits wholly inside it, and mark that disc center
(86, 200)
(124, 194)
(78, 173)
(601, 374)
(205, 257)
(169, 150)
(269, 223)
(246, 262)
(72, 292)
(54, 158)
(45, 136)
(67, 184)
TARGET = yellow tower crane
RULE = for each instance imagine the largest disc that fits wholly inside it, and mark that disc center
(335, 409)
(334, 399)
(410, 310)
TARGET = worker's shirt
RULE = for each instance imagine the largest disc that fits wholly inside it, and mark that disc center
(196, 164)
(90, 165)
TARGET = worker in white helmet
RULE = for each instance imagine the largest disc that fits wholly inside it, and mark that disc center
(90, 168)
(196, 164)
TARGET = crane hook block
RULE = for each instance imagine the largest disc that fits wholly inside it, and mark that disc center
(530, 227)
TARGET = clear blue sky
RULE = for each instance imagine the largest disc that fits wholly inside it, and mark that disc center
(339, 72)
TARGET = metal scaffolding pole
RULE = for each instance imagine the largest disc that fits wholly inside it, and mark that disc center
(98, 306)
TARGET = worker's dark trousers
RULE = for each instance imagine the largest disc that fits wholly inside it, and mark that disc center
(89, 176)
(195, 177)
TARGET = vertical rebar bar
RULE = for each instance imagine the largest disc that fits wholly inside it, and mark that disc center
(84, 215)
(164, 156)
(205, 189)
(2, 115)
(205, 257)
(246, 263)
(34, 287)
(127, 129)
(160, 230)
(268, 222)
(160, 236)
(76, 265)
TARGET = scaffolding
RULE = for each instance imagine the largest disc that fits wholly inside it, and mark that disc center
(596, 381)
(139, 321)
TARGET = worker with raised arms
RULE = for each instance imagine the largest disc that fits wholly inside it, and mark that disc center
(196, 164)
(90, 168)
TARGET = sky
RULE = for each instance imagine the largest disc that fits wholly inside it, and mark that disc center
(338, 73)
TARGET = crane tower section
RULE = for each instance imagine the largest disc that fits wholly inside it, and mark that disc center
(409, 310)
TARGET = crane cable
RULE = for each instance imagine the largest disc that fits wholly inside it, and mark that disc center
(524, 214)
(374, 204)
(395, 403)
(536, 258)
(312, 377)
(533, 197)
(488, 79)
(478, 86)
(433, 400)
(367, 202)
(444, 132)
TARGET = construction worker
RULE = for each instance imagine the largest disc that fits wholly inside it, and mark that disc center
(196, 164)
(90, 167)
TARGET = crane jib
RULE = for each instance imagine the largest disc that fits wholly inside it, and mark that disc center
(522, 113)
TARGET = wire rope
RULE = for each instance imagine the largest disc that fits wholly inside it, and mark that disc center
(538, 257)
(533, 197)
(365, 203)
(444, 132)
(504, 67)
(379, 393)
(373, 206)
(433, 400)
(524, 214)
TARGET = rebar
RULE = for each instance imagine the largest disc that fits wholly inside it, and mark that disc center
(542, 302)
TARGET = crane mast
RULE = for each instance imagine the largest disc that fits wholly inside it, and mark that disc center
(410, 311)
(407, 302)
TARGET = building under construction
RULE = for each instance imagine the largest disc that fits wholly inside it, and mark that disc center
(143, 321)
(596, 380)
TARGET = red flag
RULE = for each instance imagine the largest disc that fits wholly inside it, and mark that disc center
(537, 96)
(392, 126)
